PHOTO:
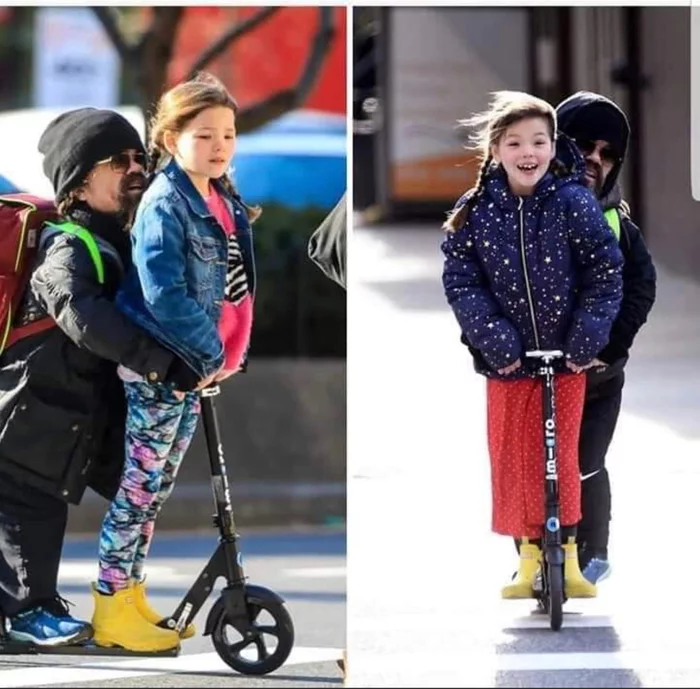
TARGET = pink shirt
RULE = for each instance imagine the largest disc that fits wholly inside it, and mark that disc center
(236, 322)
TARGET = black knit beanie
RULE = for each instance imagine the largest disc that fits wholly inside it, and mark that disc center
(598, 121)
(76, 140)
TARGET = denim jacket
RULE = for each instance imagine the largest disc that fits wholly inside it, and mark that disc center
(175, 289)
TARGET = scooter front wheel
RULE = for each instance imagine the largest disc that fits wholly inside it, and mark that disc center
(265, 645)
(555, 596)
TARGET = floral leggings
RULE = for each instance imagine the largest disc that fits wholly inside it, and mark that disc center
(159, 430)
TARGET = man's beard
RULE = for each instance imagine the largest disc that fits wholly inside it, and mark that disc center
(129, 199)
(599, 180)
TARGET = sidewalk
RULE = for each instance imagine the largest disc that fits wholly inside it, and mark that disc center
(425, 567)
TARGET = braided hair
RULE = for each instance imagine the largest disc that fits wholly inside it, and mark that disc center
(458, 216)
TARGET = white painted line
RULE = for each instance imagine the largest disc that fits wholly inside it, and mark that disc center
(572, 621)
(80, 571)
(102, 671)
(317, 572)
(472, 670)
(618, 660)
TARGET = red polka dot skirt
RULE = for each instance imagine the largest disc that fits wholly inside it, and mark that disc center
(515, 438)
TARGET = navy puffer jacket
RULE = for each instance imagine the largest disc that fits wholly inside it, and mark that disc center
(536, 272)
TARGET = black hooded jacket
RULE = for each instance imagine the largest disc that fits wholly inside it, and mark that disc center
(639, 274)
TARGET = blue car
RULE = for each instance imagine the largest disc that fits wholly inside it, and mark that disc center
(299, 160)
(6, 187)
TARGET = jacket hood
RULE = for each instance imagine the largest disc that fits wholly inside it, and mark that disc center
(591, 115)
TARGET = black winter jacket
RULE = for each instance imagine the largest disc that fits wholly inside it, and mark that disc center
(62, 406)
(638, 293)
(638, 286)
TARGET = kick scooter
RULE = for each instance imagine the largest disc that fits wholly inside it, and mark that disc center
(237, 634)
(550, 594)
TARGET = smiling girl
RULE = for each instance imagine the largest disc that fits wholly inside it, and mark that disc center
(530, 263)
(192, 288)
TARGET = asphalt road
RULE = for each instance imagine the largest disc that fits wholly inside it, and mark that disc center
(425, 577)
(306, 569)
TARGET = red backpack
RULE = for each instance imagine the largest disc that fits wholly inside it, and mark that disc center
(22, 217)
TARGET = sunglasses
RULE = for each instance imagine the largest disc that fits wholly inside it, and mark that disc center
(121, 162)
(606, 153)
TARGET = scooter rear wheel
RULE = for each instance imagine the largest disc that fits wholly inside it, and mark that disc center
(555, 596)
(263, 659)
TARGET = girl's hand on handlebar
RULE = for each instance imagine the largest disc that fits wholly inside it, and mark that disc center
(510, 368)
(225, 373)
(206, 382)
(580, 369)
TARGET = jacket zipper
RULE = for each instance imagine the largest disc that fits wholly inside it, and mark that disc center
(527, 277)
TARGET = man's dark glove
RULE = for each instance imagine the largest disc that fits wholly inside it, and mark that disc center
(182, 376)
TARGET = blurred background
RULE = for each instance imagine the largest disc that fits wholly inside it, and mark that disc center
(283, 421)
(408, 151)
(422, 456)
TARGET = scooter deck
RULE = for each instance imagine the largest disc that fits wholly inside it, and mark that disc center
(26, 648)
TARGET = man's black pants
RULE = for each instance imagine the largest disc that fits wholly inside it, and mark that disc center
(32, 528)
(600, 414)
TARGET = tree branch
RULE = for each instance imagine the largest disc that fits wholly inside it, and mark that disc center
(261, 113)
(278, 104)
(322, 42)
(108, 18)
(162, 30)
(233, 34)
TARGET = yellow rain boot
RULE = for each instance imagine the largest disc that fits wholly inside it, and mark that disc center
(117, 622)
(530, 561)
(575, 584)
(149, 614)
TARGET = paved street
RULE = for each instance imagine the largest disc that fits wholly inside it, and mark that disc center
(425, 576)
(306, 568)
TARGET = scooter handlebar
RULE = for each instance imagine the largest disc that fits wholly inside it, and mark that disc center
(210, 391)
(545, 354)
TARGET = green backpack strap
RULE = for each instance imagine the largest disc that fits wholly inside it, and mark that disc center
(89, 242)
(613, 218)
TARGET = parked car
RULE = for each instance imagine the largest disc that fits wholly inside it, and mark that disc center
(7, 187)
(298, 160)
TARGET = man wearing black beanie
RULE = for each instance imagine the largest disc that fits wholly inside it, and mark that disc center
(601, 132)
(62, 407)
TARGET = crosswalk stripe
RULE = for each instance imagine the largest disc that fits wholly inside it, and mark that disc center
(612, 660)
(317, 572)
(102, 671)
(486, 669)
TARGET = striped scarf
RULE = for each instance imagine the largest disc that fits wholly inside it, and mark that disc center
(236, 279)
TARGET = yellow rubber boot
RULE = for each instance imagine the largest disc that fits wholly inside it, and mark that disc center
(575, 584)
(149, 614)
(117, 622)
(530, 561)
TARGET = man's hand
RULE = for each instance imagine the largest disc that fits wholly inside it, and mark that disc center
(510, 368)
(580, 369)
